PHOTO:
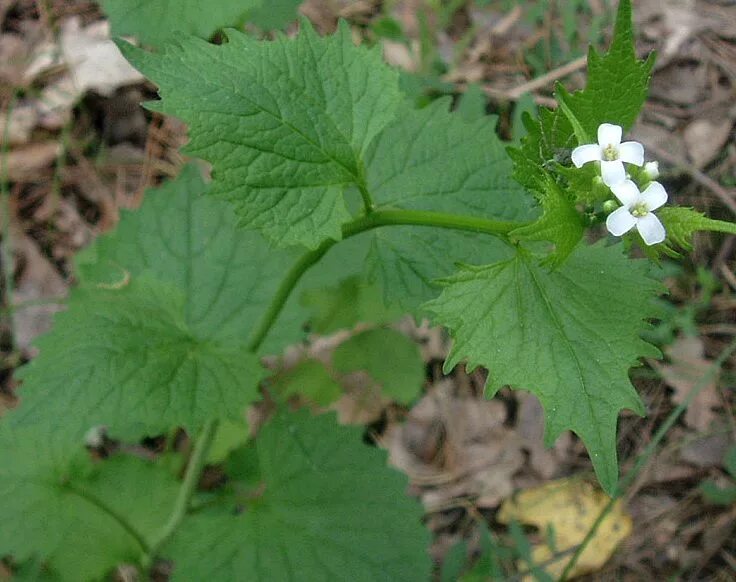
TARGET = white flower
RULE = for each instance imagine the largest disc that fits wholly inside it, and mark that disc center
(637, 210)
(651, 169)
(611, 153)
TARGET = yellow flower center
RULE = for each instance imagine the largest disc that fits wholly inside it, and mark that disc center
(610, 153)
(639, 210)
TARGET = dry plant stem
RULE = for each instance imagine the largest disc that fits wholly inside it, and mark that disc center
(643, 459)
(547, 78)
(6, 245)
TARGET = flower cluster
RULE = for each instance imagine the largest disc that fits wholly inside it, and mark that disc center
(637, 206)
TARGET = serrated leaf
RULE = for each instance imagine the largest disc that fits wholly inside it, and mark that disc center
(125, 358)
(560, 224)
(285, 123)
(682, 223)
(184, 238)
(310, 379)
(155, 22)
(328, 506)
(163, 342)
(570, 336)
(350, 302)
(388, 357)
(58, 506)
(615, 93)
(449, 165)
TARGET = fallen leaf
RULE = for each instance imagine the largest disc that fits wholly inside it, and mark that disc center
(28, 164)
(569, 507)
(705, 139)
(686, 368)
(92, 61)
(38, 281)
(456, 449)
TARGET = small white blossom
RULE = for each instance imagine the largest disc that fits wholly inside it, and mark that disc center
(651, 169)
(611, 153)
(637, 210)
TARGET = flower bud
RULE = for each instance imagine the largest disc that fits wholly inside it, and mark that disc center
(651, 170)
(609, 206)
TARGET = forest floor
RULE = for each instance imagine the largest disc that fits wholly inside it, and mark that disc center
(78, 149)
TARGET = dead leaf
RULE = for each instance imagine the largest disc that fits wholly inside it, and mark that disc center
(530, 427)
(688, 366)
(705, 139)
(39, 280)
(569, 507)
(92, 61)
(29, 163)
(455, 449)
(18, 123)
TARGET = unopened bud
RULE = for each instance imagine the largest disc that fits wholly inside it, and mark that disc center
(651, 170)
(609, 206)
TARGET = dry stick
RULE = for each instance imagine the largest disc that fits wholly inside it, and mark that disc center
(6, 245)
(643, 459)
(517, 92)
(705, 181)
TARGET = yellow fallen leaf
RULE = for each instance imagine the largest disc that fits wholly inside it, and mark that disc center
(568, 507)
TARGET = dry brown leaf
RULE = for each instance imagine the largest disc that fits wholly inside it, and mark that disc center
(569, 507)
(705, 139)
(28, 164)
(38, 281)
(686, 368)
(456, 449)
(92, 61)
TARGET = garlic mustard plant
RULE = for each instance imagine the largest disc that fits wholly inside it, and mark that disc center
(334, 201)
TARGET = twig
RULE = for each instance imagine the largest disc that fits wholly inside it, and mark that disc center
(548, 77)
(643, 459)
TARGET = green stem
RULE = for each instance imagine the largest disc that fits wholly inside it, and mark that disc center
(643, 459)
(188, 486)
(375, 219)
(372, 219)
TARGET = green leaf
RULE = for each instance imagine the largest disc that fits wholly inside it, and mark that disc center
(155, 22)
(274, 14)
(570, 336)
(189, 240)
(59, 506)
(230, 435)
(450, 165)
(617, 82)
(327, 505)
(168, 348)
(712, 493)
(472, 103)
(560, 224)
(682, 223)
(125, 358)
(285, 123)
(310, 379)
(343, 306)
(615, 93)
(388, 357)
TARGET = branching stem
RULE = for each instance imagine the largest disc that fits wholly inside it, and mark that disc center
(372, 219)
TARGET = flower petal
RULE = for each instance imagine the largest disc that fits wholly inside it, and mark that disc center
(651, 229)
(620, 221)
(612, 172)
(631, 152)
(586, 153)
(609, 134)
(626, 192)
(654, 196)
